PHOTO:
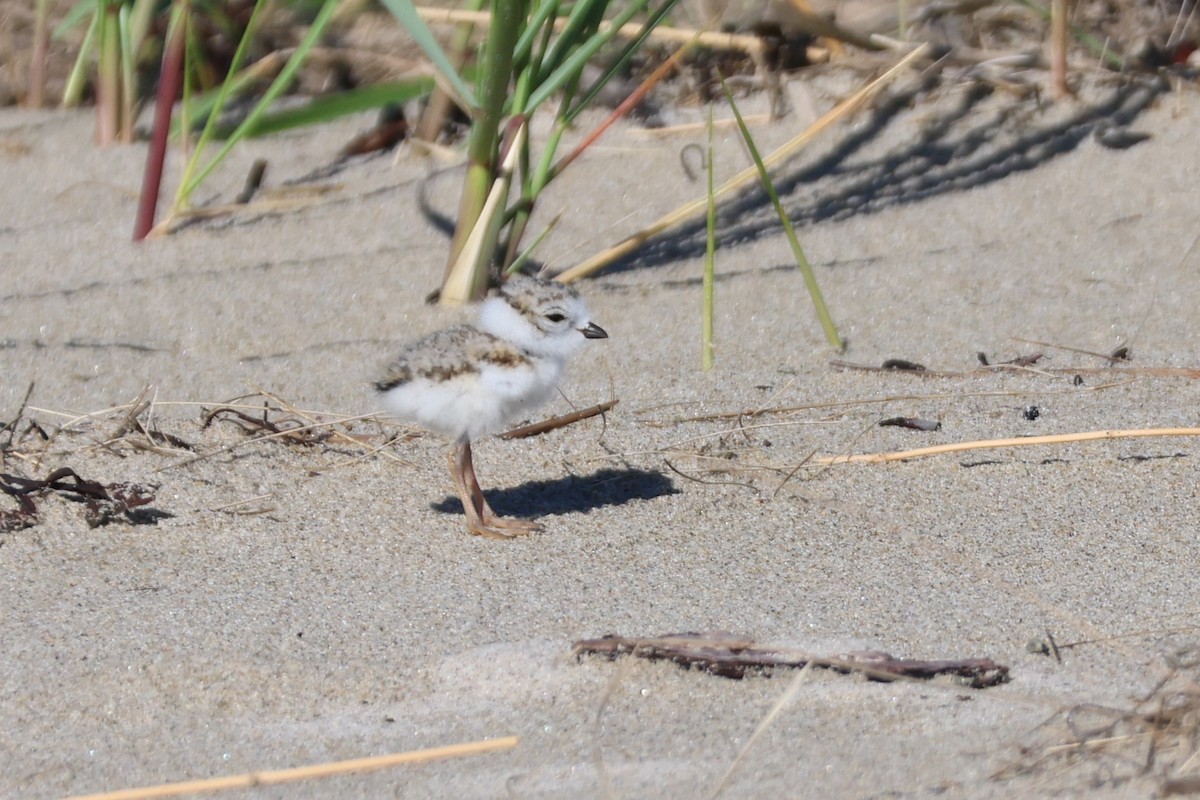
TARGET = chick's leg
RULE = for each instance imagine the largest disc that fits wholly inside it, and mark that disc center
(490, 519)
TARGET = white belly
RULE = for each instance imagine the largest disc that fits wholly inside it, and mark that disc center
(475, 404)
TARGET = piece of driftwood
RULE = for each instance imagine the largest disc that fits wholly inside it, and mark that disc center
(733, 656)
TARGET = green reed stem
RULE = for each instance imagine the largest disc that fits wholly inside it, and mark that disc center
(810, 279)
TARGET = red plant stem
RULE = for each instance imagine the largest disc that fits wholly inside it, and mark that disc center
(168, 89)
(628, 104)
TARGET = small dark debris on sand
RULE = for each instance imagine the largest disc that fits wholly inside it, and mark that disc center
(103, 502)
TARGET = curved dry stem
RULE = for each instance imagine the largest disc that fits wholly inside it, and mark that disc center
(988, 444)
(327, 770)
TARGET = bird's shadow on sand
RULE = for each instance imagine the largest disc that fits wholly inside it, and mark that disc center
(572, 494)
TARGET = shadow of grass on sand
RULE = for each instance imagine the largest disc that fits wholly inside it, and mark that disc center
(944, 135)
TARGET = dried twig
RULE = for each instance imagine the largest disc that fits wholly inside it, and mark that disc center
(745, 43)
(10, 427)
(1141, 372)
(732, 656)
(285, 428)
(307, 417)
(289, 432)
(1024, 441)
(1156, 734)
(895, 398)
(560, 421)
(683, 474)
(270, 200)
(155, 441)
(784, 700)
(688, 128)
(1109, 357)
(1058, 49)
(254, 179)
(235, 508)
(1135, 635)
(274, 777)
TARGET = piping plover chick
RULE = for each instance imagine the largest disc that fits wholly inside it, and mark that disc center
(470, 381)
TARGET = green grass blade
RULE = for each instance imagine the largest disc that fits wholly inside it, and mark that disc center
(407, 16)
(73, 92)
(277, 87)
(495, 80)
(525, 255)
(582, 20)
(631, 47)
(571, 67)
(140, 18)
(200, 106)
(184, 122)
(188, 182)
(128, 76)
(108, 75)
(541, 21)
(810, 279)
(331, 107)
(78, 13)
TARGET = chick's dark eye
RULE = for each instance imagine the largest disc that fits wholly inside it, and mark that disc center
(556, 317)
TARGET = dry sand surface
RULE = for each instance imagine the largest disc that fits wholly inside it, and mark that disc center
(283, 605)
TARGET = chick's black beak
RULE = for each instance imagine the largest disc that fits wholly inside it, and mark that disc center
(593, 331)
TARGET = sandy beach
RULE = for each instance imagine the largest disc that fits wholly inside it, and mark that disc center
(281, 603)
